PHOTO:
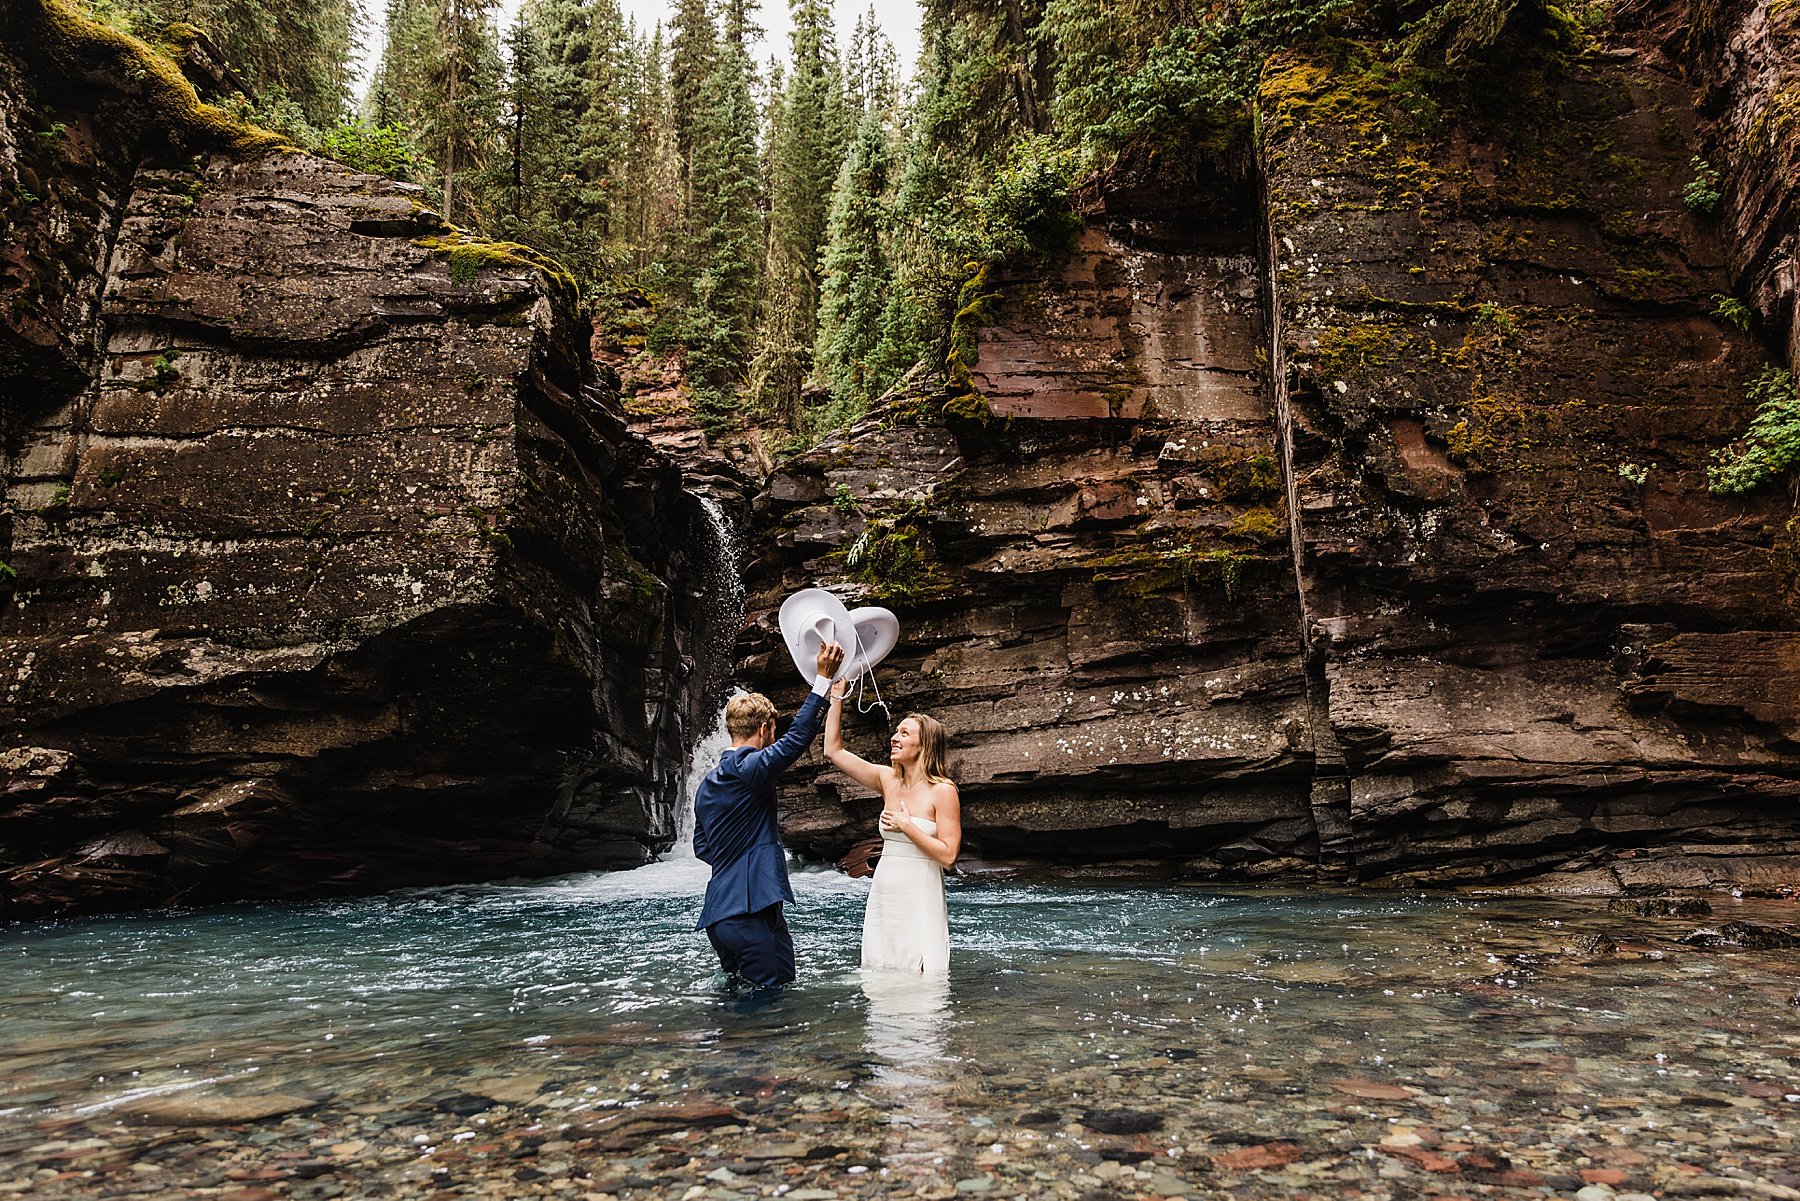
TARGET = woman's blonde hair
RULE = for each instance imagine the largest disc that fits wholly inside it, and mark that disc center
(934, 745)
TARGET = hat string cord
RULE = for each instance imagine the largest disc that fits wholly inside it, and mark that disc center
(868, 677)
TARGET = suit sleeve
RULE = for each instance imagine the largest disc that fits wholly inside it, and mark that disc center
(780, 755)
(702, 848)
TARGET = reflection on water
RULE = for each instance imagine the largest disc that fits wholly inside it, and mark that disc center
(506, 1040)
(907, 1028)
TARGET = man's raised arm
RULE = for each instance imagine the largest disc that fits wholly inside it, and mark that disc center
(779, 755)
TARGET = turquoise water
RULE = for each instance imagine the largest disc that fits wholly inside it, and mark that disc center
(1108, 1040)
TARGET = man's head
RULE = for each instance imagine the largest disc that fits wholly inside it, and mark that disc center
(746, 715)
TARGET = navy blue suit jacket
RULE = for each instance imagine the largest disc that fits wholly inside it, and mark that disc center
(735, 831)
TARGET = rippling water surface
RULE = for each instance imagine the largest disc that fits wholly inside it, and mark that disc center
(569, 1038)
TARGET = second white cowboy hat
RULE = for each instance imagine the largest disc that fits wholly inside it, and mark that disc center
(812, 617)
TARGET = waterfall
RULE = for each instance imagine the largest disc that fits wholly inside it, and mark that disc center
(706, 753)
(728, 558)
(713, 663)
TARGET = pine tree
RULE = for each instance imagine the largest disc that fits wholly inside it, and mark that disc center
(651, 188)
(602, 136)
(871, 69)
(440, 75)
(856, 276)
(295, 55)
(693, 50)
(461, 129)
(857, 299)
(396, 93)
(525, 93)
(557, 219)
(805, 152)
(725, 226)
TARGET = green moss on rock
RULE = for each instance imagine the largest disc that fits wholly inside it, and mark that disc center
(470, 256)
(77, 46)
(1255, 525)
(975, 309)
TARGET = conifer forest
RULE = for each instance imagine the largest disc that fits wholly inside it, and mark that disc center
(794, 233)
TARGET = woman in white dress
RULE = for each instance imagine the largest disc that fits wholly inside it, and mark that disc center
(906, 926)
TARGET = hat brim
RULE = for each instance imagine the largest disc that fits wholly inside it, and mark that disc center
(876, 631)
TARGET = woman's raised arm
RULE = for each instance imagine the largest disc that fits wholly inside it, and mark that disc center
(855, 766)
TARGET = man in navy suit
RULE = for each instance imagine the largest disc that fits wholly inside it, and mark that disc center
(735, 832)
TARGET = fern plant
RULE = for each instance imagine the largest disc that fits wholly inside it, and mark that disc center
(1770, 446)
(1702, 194)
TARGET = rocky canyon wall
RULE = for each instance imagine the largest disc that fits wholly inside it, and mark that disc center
(1089, 565)
(335, 565)
(1352, 521)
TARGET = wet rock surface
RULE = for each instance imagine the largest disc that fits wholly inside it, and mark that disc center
(1746, 66)
(336, 565)
(1539, 634)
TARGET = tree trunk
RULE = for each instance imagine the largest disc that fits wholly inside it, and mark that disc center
(455, 55)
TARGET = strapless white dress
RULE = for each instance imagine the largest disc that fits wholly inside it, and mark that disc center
(906, 926)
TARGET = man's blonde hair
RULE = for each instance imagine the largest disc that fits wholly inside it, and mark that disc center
(746, 712)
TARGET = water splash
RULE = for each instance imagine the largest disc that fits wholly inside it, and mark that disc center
(705, 757)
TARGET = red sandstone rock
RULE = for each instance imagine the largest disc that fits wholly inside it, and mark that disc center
(1374, 1090)
(1609, 1176)
(1423, 1157)
(1262, 1155)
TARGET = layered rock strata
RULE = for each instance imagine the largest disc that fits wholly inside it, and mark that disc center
(336, 567)
(1090, 565)
(1498, 628)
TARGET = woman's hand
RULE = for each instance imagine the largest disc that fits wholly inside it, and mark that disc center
(890, 820)
(839, 690)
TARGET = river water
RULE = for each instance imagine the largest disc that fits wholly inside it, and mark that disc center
(568, 1038)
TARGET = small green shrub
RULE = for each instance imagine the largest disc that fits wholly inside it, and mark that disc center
(1496, 319)
(844, 500)
(1732, 311)
(1025, 214)
(378, 150)
(1635, 473)
(1702, 194)
(1770, 446)
(893, 557)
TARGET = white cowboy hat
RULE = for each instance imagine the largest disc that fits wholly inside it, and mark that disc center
(812, 617)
